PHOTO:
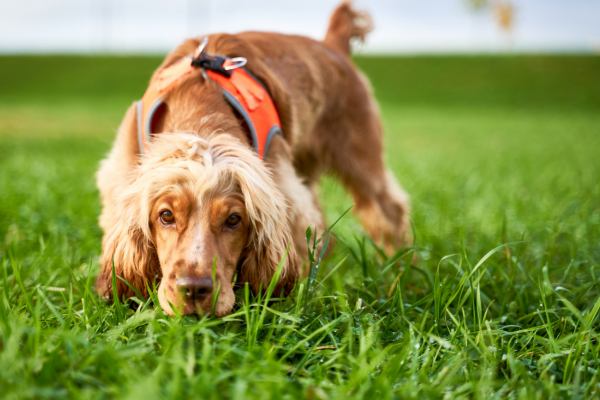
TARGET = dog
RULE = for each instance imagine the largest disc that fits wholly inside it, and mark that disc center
(194, 203)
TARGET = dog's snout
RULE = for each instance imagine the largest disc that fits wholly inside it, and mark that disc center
(194, 288)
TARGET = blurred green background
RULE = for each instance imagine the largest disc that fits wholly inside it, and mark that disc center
(491, 149)
(477, 141)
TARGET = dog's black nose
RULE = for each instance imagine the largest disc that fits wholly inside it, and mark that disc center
(194, 288)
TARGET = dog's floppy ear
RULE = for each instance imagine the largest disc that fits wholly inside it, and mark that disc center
(128, 245)
(270, 232)
(261, 258)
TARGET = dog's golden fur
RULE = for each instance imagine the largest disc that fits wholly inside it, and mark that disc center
(203, 170)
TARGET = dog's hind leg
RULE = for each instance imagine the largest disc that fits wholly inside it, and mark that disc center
(353, 148)
(380, 203)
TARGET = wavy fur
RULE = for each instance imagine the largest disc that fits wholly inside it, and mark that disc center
(219, 163)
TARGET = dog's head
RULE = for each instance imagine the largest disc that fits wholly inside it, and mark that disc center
(199, 209)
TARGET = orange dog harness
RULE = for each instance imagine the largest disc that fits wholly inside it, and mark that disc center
(243, 91)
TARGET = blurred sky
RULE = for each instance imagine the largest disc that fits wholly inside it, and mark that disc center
(402, 26)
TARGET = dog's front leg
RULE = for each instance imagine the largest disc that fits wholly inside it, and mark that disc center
(304, 208)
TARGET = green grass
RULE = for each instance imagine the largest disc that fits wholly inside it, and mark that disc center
(493, 151)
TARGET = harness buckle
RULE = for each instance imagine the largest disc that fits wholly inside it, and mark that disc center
(216, 63)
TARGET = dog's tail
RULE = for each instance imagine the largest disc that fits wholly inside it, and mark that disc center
(346, 23)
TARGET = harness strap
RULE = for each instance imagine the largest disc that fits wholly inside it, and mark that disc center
(249, 97)
(166, 80)
(243, 91)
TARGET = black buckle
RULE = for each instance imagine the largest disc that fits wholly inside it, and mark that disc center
(214, 63)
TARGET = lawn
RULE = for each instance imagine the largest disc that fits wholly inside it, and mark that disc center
(500, 155)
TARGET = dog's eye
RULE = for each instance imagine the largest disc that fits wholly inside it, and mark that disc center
(233, 221)
(167, 217)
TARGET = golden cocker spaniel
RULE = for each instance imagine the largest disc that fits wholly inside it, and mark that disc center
(200, 203)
